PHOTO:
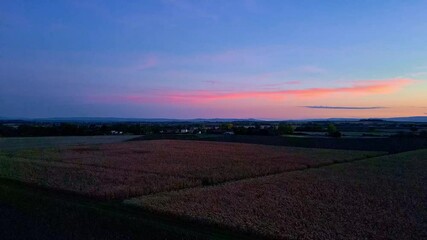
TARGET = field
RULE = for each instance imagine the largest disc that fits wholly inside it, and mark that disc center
(19, 143)
(378, 198)
(27, 212)
(123, 170)
(213, 188)
(391, 144)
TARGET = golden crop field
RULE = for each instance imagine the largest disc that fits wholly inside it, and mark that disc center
(129, 169)
(378, 198)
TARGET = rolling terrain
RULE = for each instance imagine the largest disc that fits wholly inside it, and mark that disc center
(186, 189)
(123, 170)
(377, 198)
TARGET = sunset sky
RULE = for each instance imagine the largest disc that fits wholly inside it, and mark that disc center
(213, 59)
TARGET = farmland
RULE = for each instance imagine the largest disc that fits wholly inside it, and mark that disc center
(386, 144)
(378, 198)
(122, 170)
(208, 188)
(89, 180)
(213, 120)
(20, 143)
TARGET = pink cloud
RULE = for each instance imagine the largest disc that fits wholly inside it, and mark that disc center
(149, 62)
(226, 56)
(311, 69)
(213, 82)
(249, 57)
(275, 85)
(206, 96)
(133, 64)
(138, 64)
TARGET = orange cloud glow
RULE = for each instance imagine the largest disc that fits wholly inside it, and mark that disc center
(203, 96)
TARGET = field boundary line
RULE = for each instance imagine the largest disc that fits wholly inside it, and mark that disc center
(268, 174)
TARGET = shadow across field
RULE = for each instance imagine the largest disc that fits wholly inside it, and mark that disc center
(28, 212)
(390, 145)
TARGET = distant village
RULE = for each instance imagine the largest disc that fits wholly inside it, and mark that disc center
(359, 128)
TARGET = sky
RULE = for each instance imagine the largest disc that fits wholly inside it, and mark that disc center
(213, 59)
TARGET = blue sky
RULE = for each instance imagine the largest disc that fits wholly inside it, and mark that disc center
(186, 59)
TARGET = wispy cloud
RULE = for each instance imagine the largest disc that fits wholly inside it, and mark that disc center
(374, 87)
(276, 85)
(343, 108)
(240, 56)
(418, 74)
(311, 69)
(194, 10)
(212, 82)
(246, 56)
(203, 96)
(147, 62)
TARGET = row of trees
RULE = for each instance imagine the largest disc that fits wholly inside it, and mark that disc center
(282, 129)
(68, 129)
(331, 130)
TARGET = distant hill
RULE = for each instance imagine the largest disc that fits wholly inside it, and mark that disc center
(118, 120)
(408, 119)
(418, 119)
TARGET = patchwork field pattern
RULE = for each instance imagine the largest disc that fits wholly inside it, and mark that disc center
(88, 180)
(378, 198)
(123, 170)
(21, 143)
